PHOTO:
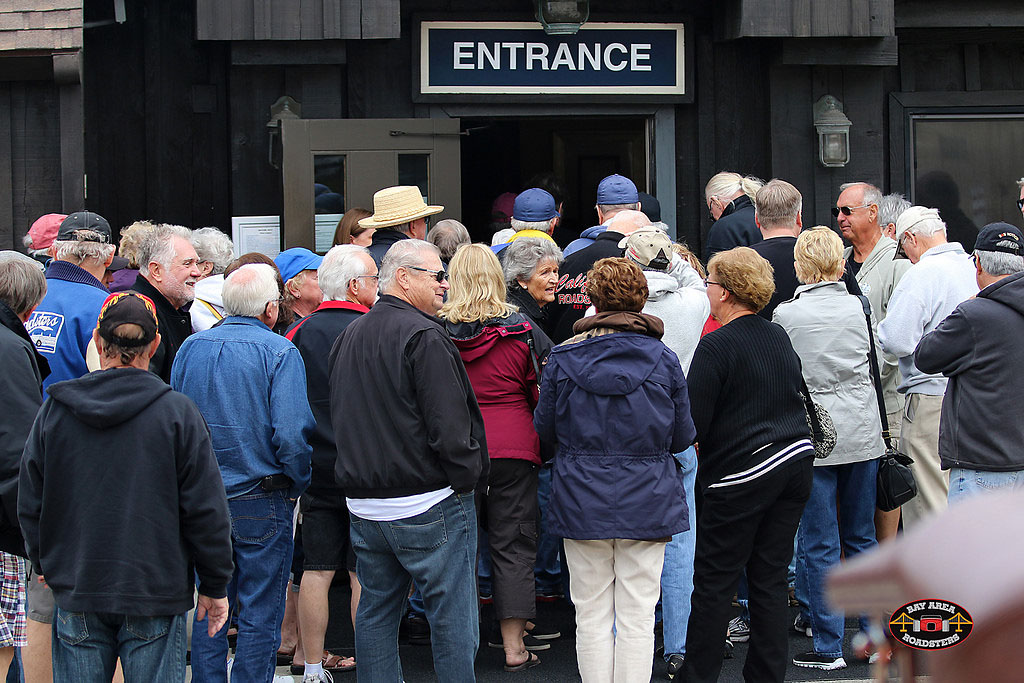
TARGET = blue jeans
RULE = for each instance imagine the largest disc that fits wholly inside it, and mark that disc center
(822, 536)
(261, 539)
(964, 483)
(677, 572)
(86, 646)
(547, 570)
(437, 549)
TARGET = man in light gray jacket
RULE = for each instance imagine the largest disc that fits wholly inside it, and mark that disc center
(871, 260)
(941, 278)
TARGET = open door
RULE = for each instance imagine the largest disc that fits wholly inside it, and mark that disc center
(332, 165)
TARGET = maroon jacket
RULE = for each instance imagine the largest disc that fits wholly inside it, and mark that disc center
(497, 357)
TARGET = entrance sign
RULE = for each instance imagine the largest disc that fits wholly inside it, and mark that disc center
(518, 58)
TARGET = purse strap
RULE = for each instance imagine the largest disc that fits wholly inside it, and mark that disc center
(875, 373)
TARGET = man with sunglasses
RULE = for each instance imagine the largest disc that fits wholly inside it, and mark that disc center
(411, 454)
(941, 278)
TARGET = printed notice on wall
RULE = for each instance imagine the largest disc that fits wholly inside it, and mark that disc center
(256, 233)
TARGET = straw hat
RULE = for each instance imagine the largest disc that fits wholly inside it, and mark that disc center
(397, 205)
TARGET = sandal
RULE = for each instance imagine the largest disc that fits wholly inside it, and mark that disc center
(284, 657)
(532, 660)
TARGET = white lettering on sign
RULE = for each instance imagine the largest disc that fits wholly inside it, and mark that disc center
(463, 51)
(537, 56)
(635, 55)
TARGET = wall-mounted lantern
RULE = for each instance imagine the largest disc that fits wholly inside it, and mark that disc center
(284, 108)
(833, 132)
(562, 17)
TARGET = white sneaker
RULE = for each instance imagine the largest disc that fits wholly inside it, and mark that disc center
(324, 677)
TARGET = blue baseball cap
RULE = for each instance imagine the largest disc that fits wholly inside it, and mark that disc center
(617, 189)
(534, 205)
(293, 261)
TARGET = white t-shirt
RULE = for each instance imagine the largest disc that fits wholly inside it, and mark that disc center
(390, 509)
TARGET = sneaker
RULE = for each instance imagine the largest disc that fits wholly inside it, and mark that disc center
(532, 644)
(813, 660)
(802, 626)
(542, 633)
(549, 595)
(674, 666)
(486, 598)
(324, 677)
(739, 630)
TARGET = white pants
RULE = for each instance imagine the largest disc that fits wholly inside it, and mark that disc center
(615, 586)
(919, 438)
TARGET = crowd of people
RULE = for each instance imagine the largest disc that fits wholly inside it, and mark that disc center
(620, 424)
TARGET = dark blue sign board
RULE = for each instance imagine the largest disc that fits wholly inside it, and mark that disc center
(514, 58)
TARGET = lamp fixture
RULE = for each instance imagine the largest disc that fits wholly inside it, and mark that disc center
(833, 132)
(284, 108)
(562, 17)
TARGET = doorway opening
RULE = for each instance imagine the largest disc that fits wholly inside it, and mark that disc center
(505, 154)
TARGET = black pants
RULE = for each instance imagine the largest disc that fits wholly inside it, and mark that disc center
(750, 526)
(509, 511)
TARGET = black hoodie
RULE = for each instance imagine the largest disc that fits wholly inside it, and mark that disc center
(120, 494)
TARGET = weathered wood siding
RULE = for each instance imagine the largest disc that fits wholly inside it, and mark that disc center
(296, 19)
(806, 18)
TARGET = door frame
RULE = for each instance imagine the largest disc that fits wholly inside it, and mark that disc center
(662, 150)
(302, 139)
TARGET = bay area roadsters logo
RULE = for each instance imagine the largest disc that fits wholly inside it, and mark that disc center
(930, 624)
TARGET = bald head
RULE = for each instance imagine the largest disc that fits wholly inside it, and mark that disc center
(629, 221)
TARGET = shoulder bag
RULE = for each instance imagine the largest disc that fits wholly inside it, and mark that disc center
(823, 430)
(896, 484)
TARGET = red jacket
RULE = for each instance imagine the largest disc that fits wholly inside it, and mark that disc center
(498, 361)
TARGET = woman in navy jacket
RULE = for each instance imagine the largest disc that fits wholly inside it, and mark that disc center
(615, 399)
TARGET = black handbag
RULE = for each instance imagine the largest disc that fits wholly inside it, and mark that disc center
(895, 484)
(823, 430)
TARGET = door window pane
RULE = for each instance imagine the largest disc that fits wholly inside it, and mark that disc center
(966, 167)
(412, 170)
(328, 198)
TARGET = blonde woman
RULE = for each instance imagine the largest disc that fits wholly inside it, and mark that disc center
(730, 200)
(829, 332)
(497, 348)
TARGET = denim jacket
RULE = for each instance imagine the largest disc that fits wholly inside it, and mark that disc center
(250, 385)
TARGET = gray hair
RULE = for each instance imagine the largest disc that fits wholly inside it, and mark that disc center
(157, 245)
(872, 195)
(448, 235)
(403, 254)
(249, 289)
(340, 266)
(214, 246)
(90, 246)
(605, 208)
(890, 208)
(1000, 263)
(727, 184)
(502, 236)
(543, 226)
(22, 285)
(778, 203)
(526, 253)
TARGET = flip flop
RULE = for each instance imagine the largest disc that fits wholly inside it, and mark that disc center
(532, 660)
(333, 663)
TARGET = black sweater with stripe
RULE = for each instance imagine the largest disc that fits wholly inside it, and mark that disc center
(745, 385)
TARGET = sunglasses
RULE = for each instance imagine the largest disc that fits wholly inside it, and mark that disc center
(846, 210)
(439, 275)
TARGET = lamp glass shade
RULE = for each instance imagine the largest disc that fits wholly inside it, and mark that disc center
(562, 17)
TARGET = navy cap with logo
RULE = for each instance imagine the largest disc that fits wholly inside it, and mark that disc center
(617, 189)
(1000, 237)
(84, 220)
(534, 205)
(121, 308)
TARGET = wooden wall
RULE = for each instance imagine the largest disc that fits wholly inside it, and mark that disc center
(296, 19)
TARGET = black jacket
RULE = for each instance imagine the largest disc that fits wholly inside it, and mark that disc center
(405, 418)
(175, 327)
(571, 302)
(537, 316)
(21, 386)
(382, 240)
(734, 228)
(778, 251)
(978, 346)
(314, 336)
(120, 494)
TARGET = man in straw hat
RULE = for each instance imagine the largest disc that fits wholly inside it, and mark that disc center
(398, 214)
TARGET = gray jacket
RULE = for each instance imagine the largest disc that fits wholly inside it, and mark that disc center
(877, 278)
(830, 334)
(978, 348)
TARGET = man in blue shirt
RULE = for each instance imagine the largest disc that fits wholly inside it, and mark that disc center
(250, 385)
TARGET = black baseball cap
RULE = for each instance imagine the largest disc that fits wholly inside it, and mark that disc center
(121, 308)
(84, 220)
(1000, 237)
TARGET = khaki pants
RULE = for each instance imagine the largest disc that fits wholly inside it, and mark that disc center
(614, 583)
(919, 438)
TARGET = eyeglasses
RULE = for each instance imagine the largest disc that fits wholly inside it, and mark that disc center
(846, 210)
(712, 282)
(1020, 204)
(439, 275)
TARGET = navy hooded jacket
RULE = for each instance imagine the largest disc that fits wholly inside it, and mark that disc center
(618, 407)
